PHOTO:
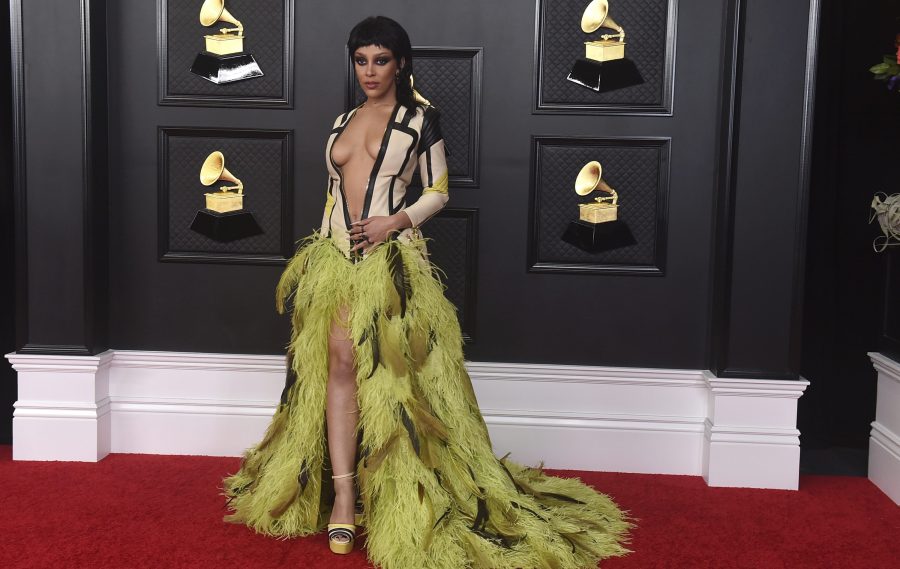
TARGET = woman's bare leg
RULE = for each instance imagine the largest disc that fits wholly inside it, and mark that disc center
(342, 414)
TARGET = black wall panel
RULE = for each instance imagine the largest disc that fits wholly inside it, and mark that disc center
(60, 130)
(763, 312)
(453, 248)
(55, 200)
(268, 30)
(260, 159)
(649, 44)
(636, 168)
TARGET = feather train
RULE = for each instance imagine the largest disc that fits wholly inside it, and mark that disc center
(444, 500)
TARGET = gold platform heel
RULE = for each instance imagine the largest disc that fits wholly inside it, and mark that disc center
(342, 536)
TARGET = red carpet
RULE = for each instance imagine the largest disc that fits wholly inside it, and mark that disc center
(164, 511)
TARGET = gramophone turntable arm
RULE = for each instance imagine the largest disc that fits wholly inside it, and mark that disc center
(620, 35)
(613, 199)
(239, 188)
(239, 30)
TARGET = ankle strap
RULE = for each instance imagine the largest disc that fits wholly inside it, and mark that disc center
(344, 475)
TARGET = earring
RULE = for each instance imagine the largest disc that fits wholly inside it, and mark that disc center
(397, 77)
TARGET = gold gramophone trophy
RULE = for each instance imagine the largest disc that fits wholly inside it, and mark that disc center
(224, 60)
(224, 218)
(602, 209)
(604, 66)
(598, 227)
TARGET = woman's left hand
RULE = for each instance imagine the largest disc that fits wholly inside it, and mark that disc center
(367, 233)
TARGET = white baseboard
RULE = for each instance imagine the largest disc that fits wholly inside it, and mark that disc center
(594, 418)
(62, 411)
(750, 432)
(884, 441)
(662, 421)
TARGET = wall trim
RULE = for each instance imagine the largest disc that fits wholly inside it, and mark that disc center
(888, 366)
(585, 374)
(195, 360)
(884, 439)
(795, 352)
(17, 70)
(750, 434)
(63, 410)
(662, 421)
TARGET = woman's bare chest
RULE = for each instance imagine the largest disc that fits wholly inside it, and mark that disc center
(360, 141)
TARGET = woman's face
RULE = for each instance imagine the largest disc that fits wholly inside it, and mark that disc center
(376, 69)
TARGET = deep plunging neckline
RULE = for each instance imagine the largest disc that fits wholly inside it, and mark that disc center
(376, 165)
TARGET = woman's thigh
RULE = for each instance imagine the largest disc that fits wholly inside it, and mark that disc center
(340, 346)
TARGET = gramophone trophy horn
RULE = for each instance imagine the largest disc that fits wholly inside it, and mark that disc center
(224, 60)
(214, 169)
(214, 11)
(602, 209)
(596, 16)
(590, 178)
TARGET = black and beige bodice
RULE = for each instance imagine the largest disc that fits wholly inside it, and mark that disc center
(411, 139)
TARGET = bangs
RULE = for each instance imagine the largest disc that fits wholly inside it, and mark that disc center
(380, 32)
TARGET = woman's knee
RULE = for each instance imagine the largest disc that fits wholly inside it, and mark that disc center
(340, 359)
(340, 351)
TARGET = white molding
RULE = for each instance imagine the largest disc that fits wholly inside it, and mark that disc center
(63, 407)
(885, 365)
(578, 417)
(199, 361)
(750, 434)
(559, 373)
(884, 439)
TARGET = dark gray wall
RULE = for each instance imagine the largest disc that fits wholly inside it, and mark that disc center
(727, 299)
(522, 316)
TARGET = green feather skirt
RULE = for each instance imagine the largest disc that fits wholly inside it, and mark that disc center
(434, 494)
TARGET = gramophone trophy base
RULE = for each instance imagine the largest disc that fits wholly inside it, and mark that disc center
(598, 237)
(225, 227)
(223, 202)
(603, 76)
(225, 68)
(603, 50)
(224, 44)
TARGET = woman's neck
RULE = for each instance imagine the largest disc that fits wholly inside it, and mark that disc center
(389, 98)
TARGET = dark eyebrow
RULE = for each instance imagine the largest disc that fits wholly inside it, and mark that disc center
(379, 54)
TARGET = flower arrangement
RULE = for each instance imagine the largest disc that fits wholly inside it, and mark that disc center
(886, 209)
(889, 69)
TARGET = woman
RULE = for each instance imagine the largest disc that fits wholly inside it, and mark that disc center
(377, 347)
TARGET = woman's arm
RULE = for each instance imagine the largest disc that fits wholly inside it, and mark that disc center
(432, 170)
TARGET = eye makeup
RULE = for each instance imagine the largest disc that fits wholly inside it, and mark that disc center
(379, 60)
